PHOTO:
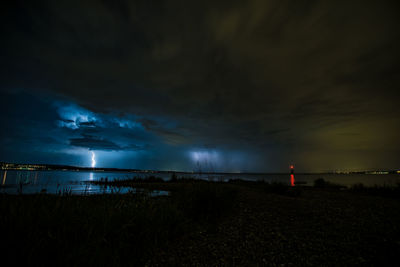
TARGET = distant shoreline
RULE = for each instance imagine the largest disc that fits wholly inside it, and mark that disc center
(53, 167)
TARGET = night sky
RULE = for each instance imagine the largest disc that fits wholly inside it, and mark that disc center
(213, 85)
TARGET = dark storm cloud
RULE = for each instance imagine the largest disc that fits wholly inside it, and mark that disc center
(279, 78)
(89, 124)
(41, 129)
(94, 143)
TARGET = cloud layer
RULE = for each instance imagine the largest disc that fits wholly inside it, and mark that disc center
(314, 83)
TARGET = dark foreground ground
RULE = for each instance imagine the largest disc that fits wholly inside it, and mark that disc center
(204, 224)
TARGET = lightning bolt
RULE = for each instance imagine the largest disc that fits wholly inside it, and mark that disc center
(93, 159)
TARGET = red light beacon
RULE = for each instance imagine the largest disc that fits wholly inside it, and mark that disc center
(292, 175)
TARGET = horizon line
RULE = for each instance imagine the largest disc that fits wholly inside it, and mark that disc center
(66, 167)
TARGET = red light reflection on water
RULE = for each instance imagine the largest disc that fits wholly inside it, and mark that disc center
(291, 175)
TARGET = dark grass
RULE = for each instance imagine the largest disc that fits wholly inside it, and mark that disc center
(270, 187)
(321, 183)
(296, 226)
(377, 190)
(105, 229)
(130, 229)
(392, 191)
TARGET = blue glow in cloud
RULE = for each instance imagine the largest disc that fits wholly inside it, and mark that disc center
(126, 123)
(61, 132)
(74, 117)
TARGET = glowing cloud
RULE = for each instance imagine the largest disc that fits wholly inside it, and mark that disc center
(73, 117)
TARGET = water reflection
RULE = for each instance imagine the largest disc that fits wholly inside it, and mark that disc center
(4, 177)
(292, 175)
(60, 182)
(74, 182)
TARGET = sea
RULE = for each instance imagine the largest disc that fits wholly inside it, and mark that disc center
(79, 182)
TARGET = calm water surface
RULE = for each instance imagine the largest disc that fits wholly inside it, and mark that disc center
(62, 182)
(29, 182)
